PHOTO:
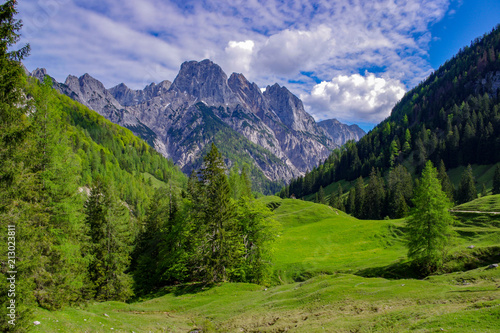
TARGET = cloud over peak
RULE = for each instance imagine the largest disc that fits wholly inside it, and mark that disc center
(355, 97)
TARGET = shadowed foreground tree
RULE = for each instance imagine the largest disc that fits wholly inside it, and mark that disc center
(429, 226)
(15, 204)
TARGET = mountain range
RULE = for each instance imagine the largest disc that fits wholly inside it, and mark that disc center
(268, 130)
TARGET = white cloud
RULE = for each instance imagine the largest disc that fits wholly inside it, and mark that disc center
(354, 97)
(239, 56)
(289, 52)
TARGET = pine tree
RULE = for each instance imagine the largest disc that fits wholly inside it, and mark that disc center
(484, 191)
(429, 226)
(234, 182)
(220, 249)
(359, 198)
(467, 188)
(321, 196)
(446, 185)
(16, 194)
(496, 180)
(400, 189)
(107, 222)
(374, 196)
(246, 184)
(351, 201)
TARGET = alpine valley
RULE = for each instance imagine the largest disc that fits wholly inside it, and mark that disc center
(269, 132)
(397, 230)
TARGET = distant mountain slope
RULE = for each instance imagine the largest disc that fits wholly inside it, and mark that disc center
(172, 118)
(341, 133)
(454, 116)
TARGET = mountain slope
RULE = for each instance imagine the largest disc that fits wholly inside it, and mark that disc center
(452, 116)
(169, 117)
(341, 133)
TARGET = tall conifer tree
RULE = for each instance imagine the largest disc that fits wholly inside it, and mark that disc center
(220, 247)
(429, 226)
(496, 180)
(467, 188)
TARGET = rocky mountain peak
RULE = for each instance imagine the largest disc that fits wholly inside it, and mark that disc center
(39, 73)
(341, 133)
(289, 109)
(128, 97)
(204, 80)
(92, 93)
(249, 93)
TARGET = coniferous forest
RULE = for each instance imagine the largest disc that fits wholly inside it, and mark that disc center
(451, 119)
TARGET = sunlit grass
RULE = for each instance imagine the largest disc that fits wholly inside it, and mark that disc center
(325, 251)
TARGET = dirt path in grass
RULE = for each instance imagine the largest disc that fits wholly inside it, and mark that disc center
(472, 211)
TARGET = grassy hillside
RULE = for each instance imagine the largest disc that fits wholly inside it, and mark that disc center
(317, 239)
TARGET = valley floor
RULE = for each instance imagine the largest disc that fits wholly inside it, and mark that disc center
(332, 270)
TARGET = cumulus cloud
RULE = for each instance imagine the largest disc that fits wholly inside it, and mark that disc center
(239, 56)
(354, 97)
(291, 51)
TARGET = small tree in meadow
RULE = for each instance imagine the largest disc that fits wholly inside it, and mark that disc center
(429, 226)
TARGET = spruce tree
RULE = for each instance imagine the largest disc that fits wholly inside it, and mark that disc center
(467, 189)
(17, 207)
(446, 185)
(359, 198)
(321, 196)
(220, 249)
(110, 247)
(246, 184)
(340, 200)
(374, 196)
(496, 180)
(429, 226)
(400, 190)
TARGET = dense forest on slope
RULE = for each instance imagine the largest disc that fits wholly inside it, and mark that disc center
(58, 155)
(451, 119)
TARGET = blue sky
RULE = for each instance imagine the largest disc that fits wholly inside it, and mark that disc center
(346, 59)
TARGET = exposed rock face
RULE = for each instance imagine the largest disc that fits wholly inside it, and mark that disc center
(341, 133)
(202, 105)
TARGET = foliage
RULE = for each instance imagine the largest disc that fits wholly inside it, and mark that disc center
(217, 233)
(428, 228)
(18, 196)
(52, 150)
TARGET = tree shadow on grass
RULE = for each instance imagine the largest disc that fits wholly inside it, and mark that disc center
(459, 261)
(176, 290)
(396, 271)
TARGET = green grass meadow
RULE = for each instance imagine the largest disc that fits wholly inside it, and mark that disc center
(332, 273)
